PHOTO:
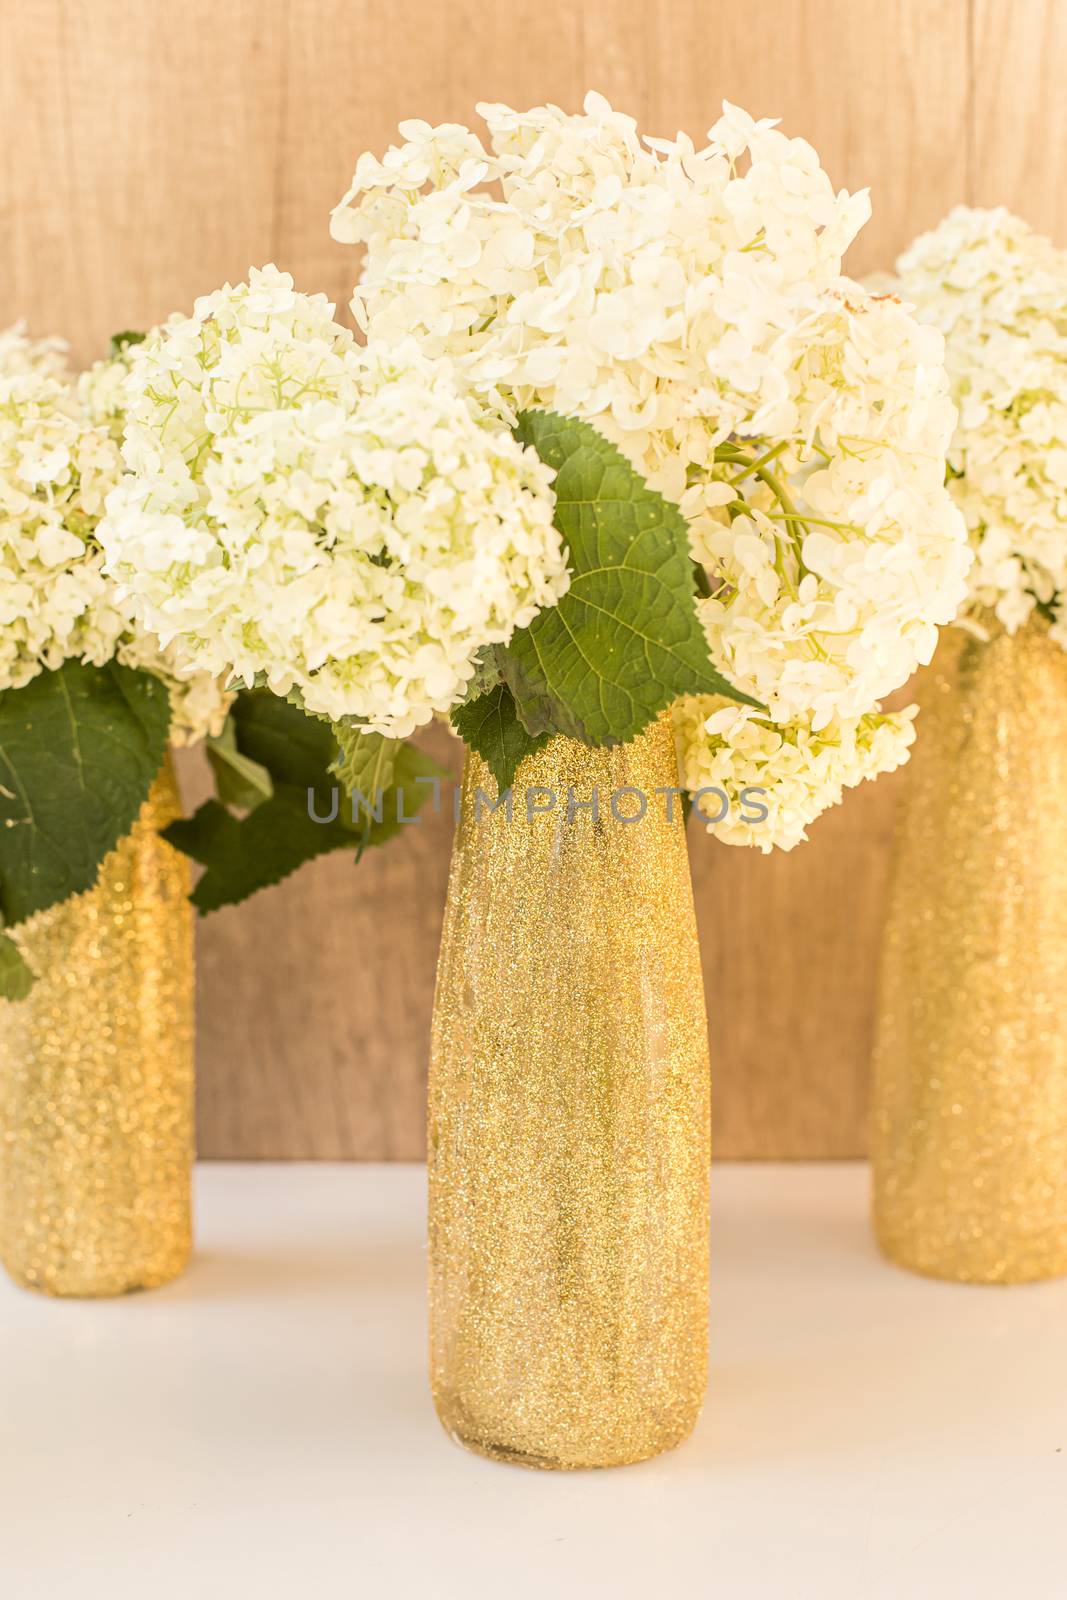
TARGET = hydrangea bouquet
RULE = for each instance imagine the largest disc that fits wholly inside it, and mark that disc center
(688, 303)
(355, 531)
(997, 291)
(621, 438)
(88, 699)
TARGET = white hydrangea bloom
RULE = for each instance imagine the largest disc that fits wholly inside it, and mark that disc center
(320, 517)
(746, 762)
(997, 291)
(102, 390)
(56, 468)
(690, 304)
(825, 623)
(20, 353)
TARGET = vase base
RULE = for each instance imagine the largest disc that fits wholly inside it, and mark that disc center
(57, 1287)
(515, 1456)
(1014, 1267)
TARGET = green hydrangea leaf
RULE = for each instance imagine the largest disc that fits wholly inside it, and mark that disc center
(122, 341)
(239, 780)
(294, 745)
(243, 855)
(364, 763)
(79, 749)
(416, 777)
(490, 725)
(16, 975)
(487, 673)
(205, 835)
(625, 640)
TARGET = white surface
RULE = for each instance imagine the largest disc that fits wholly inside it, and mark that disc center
(262, 1428)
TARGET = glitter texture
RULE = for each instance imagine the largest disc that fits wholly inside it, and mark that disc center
(969, 1136)
(96, 1078)
(569, 1121)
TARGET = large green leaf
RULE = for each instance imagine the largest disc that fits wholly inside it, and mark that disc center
(625, 640)
(490, 725)
(244, 855)
(79, 748)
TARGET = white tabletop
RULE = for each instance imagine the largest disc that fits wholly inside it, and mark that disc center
(262, 1428)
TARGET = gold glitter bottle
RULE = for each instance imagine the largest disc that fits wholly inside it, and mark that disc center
(569, 1122)
(96, 1077)
(969, 1127)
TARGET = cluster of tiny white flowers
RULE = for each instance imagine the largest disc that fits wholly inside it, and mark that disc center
(56, 468)
(997, 291)
(19, 353)
(690, 304)
(103, 390)
(848, 552)
(319, 517)
(729, 751)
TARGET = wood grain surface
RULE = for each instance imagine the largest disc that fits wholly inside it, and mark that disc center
(149, 151)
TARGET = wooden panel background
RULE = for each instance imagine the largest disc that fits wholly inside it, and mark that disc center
(149, 150)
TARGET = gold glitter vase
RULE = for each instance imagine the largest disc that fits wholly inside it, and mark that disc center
(569, 1123)
(96, 1077)
(969, 1127)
